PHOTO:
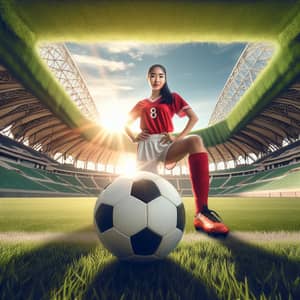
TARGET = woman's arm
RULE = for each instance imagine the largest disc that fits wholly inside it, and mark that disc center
(129, 131)
(190, 124)
(188, 127)
(140, 137)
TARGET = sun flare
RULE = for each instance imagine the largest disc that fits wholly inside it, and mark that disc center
(113, 118)
(128, 166)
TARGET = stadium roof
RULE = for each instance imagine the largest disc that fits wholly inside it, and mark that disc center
(38, 109)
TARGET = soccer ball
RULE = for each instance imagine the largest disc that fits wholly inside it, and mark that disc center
(140, 218)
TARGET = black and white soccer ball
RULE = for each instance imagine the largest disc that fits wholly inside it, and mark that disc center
(140, 218)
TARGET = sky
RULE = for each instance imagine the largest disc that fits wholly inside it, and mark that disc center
(116, 72)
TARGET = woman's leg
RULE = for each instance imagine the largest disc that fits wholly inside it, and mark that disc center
(199, 174)
(198, 166)
(189, 145)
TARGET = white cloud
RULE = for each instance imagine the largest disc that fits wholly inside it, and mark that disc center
(102, 63)
(102, 84)
(107, 92)
(222, 48)
(138, 50)
(120, 47)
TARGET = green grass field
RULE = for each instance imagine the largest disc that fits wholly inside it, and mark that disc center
(73, 214)
(214, 269)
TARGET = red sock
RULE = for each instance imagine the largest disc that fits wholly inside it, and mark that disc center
(199, 173)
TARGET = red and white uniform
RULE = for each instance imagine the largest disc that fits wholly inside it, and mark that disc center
(156, 117)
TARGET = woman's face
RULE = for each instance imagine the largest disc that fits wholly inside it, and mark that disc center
(156, 78)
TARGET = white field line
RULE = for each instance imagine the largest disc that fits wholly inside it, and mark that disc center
(250, 236)
(91, 237)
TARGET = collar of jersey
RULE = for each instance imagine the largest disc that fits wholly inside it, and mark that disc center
(154, 100)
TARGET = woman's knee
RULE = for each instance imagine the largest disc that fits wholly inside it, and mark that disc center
(196, 144)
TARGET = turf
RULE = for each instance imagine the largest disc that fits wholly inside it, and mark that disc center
(202, 270)
(72, 214)
(212, 269)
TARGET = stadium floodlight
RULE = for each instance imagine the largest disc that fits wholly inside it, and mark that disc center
(252, 61)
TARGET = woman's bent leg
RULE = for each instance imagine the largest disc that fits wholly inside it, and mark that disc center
(199, 174)
(198, 166)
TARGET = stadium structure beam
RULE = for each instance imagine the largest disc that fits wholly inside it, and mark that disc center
(82, 151)
(237, 147)
(265, 123)
(72, 144)
(61, 63)
(31, 128)
(278, 117)
(251, 62)
(227, 148)
(220, 154)
(57, 133)
(287, 101)
(256, 139)
(34, 133)
(92, 155)
(101, 150)
(263, 133)
(248, 142)
(37, 114)
(211, 157)
(9, 108)
(278, 125)
(64, 145)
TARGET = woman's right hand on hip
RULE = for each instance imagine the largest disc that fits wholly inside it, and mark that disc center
(143, 135)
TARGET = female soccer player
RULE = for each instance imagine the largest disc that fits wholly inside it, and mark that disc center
(156, 144)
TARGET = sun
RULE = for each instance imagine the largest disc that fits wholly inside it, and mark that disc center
(113, 117)
(113, 120)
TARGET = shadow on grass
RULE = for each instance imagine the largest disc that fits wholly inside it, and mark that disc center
(268, 271)
(159, 280)
(39, 271)
(32, 273)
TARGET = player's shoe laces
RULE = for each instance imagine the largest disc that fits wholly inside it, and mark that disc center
(210, 222)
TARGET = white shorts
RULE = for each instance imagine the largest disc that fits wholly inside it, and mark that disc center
(150, 153)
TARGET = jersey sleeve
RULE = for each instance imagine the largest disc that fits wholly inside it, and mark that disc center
(136, 111)
(180, 105)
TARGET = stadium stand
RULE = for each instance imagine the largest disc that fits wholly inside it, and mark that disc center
(218, 181)
(25, 172)
(17, 151)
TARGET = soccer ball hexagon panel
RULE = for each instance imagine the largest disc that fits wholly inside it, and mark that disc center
(140, 218)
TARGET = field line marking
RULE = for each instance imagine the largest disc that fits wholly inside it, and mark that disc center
(91, 237)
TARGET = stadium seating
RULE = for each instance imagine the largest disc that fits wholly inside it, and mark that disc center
(24, 172)
(102, 181)
(87, 181)
(237, 179)
(12, 179)
(218, 181)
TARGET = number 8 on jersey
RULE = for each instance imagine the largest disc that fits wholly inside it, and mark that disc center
(153, 112)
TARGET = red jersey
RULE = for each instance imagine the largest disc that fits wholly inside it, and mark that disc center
(157, 117)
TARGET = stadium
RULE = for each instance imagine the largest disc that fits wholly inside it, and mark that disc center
(48, 116)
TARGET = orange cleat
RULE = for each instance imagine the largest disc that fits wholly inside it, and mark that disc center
(210, 222)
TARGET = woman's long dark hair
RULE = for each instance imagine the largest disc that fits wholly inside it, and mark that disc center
(165, 91)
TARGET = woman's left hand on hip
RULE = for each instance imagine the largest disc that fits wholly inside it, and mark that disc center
(167, 138)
